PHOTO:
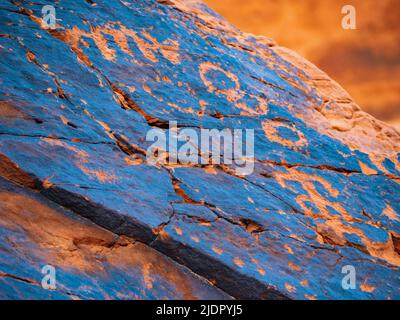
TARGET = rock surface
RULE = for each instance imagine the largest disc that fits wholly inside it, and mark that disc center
(76, 104)
(92, 263)
(365, 61)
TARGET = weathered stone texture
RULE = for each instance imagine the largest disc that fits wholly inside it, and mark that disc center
(76, 104)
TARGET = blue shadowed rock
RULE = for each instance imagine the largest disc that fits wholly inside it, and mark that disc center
(78, 192)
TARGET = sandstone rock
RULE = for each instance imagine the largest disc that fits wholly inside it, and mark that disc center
(91, 263)
(76, 104)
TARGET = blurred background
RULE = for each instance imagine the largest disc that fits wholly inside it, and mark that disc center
(365, 61)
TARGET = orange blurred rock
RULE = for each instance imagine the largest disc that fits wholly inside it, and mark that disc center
(366, 61)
